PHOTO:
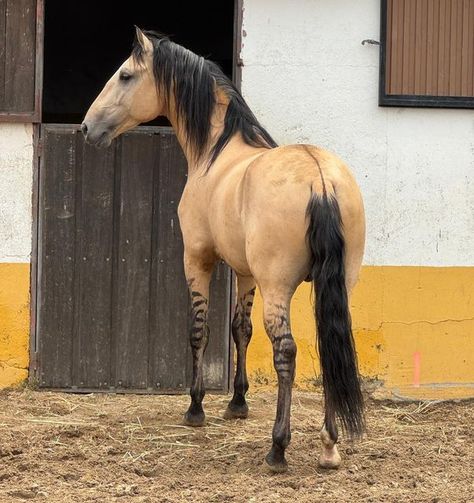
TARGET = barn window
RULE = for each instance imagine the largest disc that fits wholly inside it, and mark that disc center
(20, 53)
(427, 53)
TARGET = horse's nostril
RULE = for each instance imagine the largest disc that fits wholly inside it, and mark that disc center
(84, 129)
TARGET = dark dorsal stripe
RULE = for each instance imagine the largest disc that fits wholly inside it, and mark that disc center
(194, 80)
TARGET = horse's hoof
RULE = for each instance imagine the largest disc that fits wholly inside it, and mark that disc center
(195, 420)
(236, 411)
(330, 462)
(276, 464)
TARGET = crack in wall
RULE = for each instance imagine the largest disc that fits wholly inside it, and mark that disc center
(414, 322)
(11, 363)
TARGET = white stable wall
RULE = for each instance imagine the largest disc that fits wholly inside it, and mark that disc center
(309, 80)
(16, 175)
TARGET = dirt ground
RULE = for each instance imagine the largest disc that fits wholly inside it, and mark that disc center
(73, 448)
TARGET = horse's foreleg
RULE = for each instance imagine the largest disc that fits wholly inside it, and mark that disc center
(277, 325)
(198, 278)
(241, 333)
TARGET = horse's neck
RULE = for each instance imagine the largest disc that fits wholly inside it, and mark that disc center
(234, 151)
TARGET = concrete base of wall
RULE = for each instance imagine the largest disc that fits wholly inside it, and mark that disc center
(413, 327)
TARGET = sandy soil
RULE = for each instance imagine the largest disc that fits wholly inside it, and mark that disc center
(73, 448)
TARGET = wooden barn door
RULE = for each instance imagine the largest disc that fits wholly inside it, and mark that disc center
(112, 301)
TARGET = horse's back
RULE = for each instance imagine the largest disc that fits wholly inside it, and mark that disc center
(300, 165)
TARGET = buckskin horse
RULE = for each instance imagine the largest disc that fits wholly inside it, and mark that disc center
(276, 215)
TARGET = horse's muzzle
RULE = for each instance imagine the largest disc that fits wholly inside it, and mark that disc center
(95, 136)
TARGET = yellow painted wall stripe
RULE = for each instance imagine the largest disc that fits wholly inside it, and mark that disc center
(397, 312)
(14, 323)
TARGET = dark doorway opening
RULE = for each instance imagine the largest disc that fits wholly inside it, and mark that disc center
(86, 41)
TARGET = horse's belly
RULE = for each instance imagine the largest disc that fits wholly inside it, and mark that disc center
(230, 245)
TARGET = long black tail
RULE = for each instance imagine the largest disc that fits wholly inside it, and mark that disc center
(343, 396)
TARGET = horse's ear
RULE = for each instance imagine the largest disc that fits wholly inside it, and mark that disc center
(143, 40)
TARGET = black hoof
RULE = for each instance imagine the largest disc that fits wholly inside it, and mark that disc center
(236, 411)
(276, 460)
(198, 419)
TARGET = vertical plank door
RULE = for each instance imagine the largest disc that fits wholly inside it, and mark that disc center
(112, 302)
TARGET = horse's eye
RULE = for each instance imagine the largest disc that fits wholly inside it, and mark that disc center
(125, 76)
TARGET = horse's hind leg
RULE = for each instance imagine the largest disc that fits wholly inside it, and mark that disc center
(198, 276)
(277, 325)
(241, 333)
(330, 457)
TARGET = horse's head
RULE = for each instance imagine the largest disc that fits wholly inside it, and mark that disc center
(129, 98)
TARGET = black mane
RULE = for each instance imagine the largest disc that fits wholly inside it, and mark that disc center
(193, 80)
